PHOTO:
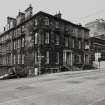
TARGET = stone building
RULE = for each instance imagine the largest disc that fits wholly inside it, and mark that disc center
(43, 43)
(97, 49)
(96, 27)
(97, 44)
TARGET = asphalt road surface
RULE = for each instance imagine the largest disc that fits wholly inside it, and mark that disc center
(69, 88)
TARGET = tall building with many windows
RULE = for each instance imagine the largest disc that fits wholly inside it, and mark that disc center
(43, 43)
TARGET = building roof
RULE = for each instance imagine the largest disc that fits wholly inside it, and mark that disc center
(61, 19)
(49, 15)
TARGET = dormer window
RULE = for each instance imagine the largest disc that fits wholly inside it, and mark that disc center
(11, 21)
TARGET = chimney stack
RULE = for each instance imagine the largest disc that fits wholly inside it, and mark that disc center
(58, 15)
(20, 18)
(29, 12)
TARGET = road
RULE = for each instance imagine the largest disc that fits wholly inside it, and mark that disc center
(68, 88)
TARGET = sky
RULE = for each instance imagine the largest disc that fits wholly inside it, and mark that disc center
(76, 11)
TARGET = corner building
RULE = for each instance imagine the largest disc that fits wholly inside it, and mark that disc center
(43, 43)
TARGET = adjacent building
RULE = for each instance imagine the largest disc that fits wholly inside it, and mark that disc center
(97, 27)
(43, 43)
(97, 42)
(97, 48)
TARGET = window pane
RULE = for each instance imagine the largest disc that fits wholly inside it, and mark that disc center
(36, 38)
(22, 58)
(23, 42)
(18, 58)
(66, 41)
(57, 40)
(47, 57)
(36, 22)
(47, 38)
(36, 58)
(14, 59)
(46, 21)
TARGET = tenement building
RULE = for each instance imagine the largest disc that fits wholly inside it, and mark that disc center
(43, 43)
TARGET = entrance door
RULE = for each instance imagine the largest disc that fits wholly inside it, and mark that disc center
(67, 57)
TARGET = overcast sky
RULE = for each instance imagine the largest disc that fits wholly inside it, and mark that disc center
(77, 11)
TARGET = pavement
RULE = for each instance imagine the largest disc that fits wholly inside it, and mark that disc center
(66, 88)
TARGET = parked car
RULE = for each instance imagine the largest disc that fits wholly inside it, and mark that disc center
(20, 72)
(17, 72)
(8, 76)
